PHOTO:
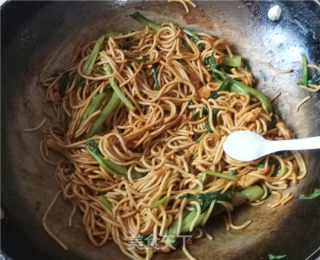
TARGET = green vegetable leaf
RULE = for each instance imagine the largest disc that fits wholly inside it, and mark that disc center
(241, 88)
(205, 112)
(155, 77)
(106, 112)
(221, 175)
(190, 103)
(195, 38)
(79, 81)
(273, 122)
(146, 239)
(95, 103)
(274, 257)
(234, 172)
(284, 154)
(214, 120)
(225, 86)
(211, 62)
(209, 128)
(234, 61)
(187, 219)
(145, 21)
(107, 68)
(105, 202)
(272, 161)
(200, 138)
(315, 194)
(251, 193)
(205, 199)
(93, 148)
(63, 83)
(158, 203)
(305, 72)
(88, 65)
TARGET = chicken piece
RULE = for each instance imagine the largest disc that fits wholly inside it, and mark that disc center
(247, 180)
(253, 115)
(204, 92)
(283, 130)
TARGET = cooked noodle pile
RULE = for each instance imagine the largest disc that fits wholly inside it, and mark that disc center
(164, 142)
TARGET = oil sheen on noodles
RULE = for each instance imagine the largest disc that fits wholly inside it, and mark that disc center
(169, 142)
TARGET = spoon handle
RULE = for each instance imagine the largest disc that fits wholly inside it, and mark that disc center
(296, 144)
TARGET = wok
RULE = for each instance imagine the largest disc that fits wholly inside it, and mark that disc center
(40, 36)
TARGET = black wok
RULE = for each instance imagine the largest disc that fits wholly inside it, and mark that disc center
(40, 36)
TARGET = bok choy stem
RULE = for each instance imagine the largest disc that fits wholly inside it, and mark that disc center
(107, 68)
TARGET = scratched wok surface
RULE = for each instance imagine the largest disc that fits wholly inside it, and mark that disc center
(40, 36)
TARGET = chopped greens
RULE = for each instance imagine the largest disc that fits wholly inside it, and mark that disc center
(88, 65)
(273, 122)
(225, 86)
(158, 203)
(79, 81)
(211, 62)
(252, 193)
(221, 175)
(63, 83)
(95, 103)
(234, 172)
(145, 21)
(271, 161)
(274, 257)
(209, 128)
(284, 154)
(200, 138)
(107, 68)
(146, 239)
(93, 148)
(195, 38)
(109, 34)
(214, 120)
(154, 26)
(241, 88)
(315, 194)
(155, 77)
(306, 74)
(105, 202)
(205, 199)
(304, 78)
(249, 194)
(187, 220)
(234, 61)
(190, 103)
(205, 112)
(106, 112)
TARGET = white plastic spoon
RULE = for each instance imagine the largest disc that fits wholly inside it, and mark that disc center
(248, 146)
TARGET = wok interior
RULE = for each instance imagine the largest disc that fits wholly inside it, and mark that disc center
(29, 183)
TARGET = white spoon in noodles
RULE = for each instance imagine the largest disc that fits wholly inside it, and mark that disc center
(248, 146)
